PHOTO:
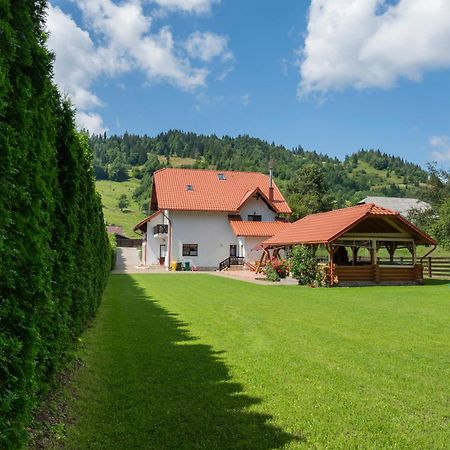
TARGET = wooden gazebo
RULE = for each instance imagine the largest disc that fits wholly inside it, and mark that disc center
(344, 232)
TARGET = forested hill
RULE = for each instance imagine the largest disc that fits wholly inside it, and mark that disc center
(359, 174)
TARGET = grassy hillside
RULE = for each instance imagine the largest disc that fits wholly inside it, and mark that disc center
(176, 161)
(110, 192)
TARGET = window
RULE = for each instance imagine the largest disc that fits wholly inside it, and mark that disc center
(221, 176)
(189, 187)
(190, 249)
(254, 218)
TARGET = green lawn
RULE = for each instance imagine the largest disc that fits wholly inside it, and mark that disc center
(198, 361)
(110, 192)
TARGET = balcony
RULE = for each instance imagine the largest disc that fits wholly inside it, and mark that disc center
(161, 229)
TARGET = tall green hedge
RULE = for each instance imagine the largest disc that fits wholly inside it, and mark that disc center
(54, 252)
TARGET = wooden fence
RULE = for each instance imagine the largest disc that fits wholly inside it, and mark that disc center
(433, 266)
(126, 242)
(437, 267)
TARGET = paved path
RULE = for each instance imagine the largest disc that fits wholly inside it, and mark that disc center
(128, 262)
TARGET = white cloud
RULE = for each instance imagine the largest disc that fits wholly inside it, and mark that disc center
(207, 46)
(128, 32)
(191, 6)
(441, 144)
(119, 38)
(373, 43)
(245, 99)
(91, 121)
(77, 63)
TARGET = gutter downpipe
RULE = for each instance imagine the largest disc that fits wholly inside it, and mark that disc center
(426, 254)
(169, 250)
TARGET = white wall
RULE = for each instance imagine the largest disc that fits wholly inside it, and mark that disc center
(150, 251)
(249, 243)
(255, 206)
(211, 231)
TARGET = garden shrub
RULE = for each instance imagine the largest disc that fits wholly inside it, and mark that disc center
(271, 274)
(276, 269)
(54, 251)
(303, 265)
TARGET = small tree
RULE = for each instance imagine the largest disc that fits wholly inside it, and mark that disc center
(123, 202)
(441, 228)
(303, 265)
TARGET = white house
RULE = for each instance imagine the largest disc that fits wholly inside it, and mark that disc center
(209, 217)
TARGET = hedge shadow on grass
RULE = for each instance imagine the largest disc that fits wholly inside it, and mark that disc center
(436, 281)
(156, 387)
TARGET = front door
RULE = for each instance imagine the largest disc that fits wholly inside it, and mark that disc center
(162, 254)
(233, 250)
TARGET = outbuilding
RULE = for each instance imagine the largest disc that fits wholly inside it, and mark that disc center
(346, 233)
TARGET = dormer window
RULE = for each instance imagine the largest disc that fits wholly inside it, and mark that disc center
(189, 187)
(221, 176)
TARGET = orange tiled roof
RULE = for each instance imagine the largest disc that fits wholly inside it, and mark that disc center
(209, 193)
(263, 229)
(147, 219)
(326, 227)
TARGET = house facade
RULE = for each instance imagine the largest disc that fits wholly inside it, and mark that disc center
(205, 217)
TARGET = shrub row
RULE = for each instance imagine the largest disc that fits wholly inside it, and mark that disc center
(54, 252)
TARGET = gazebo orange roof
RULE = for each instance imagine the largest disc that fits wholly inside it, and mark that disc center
(323, 228)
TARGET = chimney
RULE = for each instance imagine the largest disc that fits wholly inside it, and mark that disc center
(270, 185)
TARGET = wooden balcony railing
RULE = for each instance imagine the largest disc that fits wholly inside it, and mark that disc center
(161, 229)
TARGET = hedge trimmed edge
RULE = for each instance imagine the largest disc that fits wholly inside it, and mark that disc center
(54, 252)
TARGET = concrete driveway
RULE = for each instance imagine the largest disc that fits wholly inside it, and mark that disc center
(127, 260)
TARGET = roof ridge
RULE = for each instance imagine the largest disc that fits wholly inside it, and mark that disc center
(361, 206)
(211, 170)
(387, 210)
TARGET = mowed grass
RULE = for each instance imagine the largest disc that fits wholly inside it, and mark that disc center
(110, 192)
(197, 361)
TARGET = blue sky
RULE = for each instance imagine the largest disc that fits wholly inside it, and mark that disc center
(330, 75)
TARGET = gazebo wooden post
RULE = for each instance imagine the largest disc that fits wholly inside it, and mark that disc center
(376, 268)
(412, 250)
(391, 247)
(355, 254)
(330, 250)
(259, 265)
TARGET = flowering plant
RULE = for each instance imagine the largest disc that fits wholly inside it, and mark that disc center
(276, 269)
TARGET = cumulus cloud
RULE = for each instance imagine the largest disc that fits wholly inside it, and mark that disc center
(372, 43)
(77, 63)
(118, 38)
(128, 32)
(90, 121)
(191, 6)
(207, 46)
(441, 146)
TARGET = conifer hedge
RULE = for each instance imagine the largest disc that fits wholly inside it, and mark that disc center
(54, 252)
